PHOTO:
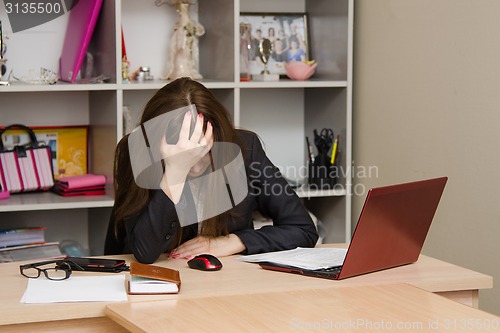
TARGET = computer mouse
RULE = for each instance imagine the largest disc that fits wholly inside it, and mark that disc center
(205, 262)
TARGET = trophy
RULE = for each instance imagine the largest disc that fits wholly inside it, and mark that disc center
(265, 49)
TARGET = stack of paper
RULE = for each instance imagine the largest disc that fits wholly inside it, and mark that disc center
(31, 252)
(76, 289)
(307, 258)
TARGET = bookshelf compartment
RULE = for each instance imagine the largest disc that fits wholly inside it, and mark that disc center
(282, 112)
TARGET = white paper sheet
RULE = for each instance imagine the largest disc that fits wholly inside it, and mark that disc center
(307, 258)
(76, 289)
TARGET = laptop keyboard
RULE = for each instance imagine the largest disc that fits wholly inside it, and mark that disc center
(330, 269)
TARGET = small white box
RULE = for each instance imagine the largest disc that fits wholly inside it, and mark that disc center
(265, 77)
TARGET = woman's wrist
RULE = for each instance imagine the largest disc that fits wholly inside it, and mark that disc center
(235, 243)
(172, 185)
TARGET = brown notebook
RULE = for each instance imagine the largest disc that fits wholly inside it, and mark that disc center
(151, 279)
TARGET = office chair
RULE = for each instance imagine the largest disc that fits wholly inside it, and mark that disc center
(114, 244)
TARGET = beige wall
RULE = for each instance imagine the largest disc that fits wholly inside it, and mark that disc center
(427, 104)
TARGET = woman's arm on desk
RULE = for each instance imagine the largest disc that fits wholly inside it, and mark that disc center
(274, 198)
(271, 195)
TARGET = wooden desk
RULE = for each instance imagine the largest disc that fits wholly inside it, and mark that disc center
(396, 307)
(236, 278)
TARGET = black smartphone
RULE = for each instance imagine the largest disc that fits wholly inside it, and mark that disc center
(97, 264)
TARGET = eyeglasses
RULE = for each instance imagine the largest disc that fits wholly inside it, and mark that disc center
(61, 270)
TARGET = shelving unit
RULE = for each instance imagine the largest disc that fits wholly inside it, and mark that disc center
(282, 113)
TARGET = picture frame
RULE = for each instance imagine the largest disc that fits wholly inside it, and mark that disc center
(283, 30)
(68, 145)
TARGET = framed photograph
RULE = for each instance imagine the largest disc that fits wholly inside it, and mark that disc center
(68, 145)
(288, 36)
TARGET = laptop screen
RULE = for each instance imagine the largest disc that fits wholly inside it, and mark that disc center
(392, 226)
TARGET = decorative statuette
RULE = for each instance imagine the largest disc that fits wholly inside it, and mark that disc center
(183, 55)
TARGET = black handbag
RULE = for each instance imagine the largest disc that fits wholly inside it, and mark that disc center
(25, 167)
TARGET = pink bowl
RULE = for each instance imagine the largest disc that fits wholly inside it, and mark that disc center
(297, 70)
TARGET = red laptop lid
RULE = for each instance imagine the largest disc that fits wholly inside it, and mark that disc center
(392, 226)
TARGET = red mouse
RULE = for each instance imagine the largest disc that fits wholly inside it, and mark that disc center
(205, 262)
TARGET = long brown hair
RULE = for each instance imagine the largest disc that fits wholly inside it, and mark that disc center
(131, 199)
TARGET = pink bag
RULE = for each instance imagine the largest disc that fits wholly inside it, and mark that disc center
(27, 167)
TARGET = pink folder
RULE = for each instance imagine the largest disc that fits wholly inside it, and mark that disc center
(81, 24)
(81, 181)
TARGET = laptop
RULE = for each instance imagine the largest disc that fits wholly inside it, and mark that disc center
(391, 230)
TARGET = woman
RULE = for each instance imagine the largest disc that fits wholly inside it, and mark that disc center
(278, 54)
(271, 35)
(145, 222)
(295, 34)
(295, 53)
(285, 44)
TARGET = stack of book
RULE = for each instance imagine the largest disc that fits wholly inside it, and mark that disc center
(22, 236)
(26, 244)
(88, 184)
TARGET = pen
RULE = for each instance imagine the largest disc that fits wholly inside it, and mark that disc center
(334, 150)
(309, 153)
(1, 43)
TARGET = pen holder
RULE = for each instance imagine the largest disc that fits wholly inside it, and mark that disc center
(322, 173)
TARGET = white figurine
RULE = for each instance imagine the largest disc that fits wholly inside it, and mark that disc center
(183, 48)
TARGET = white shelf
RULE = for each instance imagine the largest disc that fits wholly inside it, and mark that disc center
(50, 201)
(286, 83)
(157, 84)
(59, 86)
(213, 84)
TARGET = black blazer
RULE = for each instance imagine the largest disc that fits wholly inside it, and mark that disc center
(154, 230)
